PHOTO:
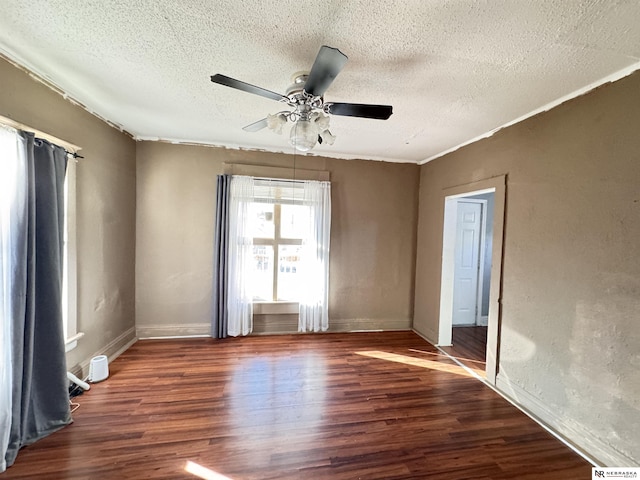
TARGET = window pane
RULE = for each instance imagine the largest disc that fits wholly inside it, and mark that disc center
(289, 287)
(261, 220)
(294, 221)
(263, 277)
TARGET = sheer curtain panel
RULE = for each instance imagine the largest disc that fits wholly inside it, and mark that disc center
(13, 180)
(314, 304)
(240, 259)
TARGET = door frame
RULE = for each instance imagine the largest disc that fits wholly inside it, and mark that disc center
(450, 197)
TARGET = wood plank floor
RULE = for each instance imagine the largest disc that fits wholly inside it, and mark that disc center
(469, 346)
(333, 406)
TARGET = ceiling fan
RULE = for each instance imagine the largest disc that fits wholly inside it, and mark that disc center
(306, 97)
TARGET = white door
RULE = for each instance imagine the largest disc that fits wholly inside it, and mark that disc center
(467, 263)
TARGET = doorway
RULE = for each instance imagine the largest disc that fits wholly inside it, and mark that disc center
(471, 280)
(471, 272)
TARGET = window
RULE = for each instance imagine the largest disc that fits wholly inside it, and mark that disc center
(278, 235)
(69, 287)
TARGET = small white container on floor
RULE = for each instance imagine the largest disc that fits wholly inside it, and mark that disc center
(99, 369)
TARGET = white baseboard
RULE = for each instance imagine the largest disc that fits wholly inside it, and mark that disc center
(112, 350)
(483, 321)
(585, 442)
(177, 330)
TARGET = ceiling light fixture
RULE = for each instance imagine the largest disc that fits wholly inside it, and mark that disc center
(303, 135)
(310, 123)
(308, 129)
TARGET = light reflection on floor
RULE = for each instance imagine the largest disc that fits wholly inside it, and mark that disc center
(294, 384)
(469, 363)
(421, 362)
(203, 472)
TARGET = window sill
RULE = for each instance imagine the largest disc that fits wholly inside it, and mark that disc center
(275, 308)
(72, 342)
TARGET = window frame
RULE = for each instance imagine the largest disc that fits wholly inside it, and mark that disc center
(70, 268)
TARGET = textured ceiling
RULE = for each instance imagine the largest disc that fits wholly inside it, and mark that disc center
(453, 70)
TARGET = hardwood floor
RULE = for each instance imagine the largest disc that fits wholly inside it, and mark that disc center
(469, 346)
(332, 406)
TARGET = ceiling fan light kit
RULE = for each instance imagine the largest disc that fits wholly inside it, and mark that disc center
(303, 135)
(277, 122)
(310, 115)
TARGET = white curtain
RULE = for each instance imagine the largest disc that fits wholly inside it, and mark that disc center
(314, 304)
(13, 191)
(314, 262)
(240, 296)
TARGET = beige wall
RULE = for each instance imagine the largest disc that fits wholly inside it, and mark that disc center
(374, 211)
(570, 332)
(105, 211)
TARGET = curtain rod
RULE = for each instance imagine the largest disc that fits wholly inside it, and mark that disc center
(69, 147)
(288, 180)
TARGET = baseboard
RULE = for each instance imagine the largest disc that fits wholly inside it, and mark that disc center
(287, 324)
(112, 350)
(577, 437)
(178, 330)
(483, 321)
(277, 324)
(368, 324)
(429, 338)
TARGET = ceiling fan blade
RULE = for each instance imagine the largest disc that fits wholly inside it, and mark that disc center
(328, 64)
(379, 112)
(255, 126)
(246, 87)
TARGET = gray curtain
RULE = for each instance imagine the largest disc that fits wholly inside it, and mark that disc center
(40, 386)
(221, 247)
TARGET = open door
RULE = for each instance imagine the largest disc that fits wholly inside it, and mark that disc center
(467, 275)
(452, 197)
